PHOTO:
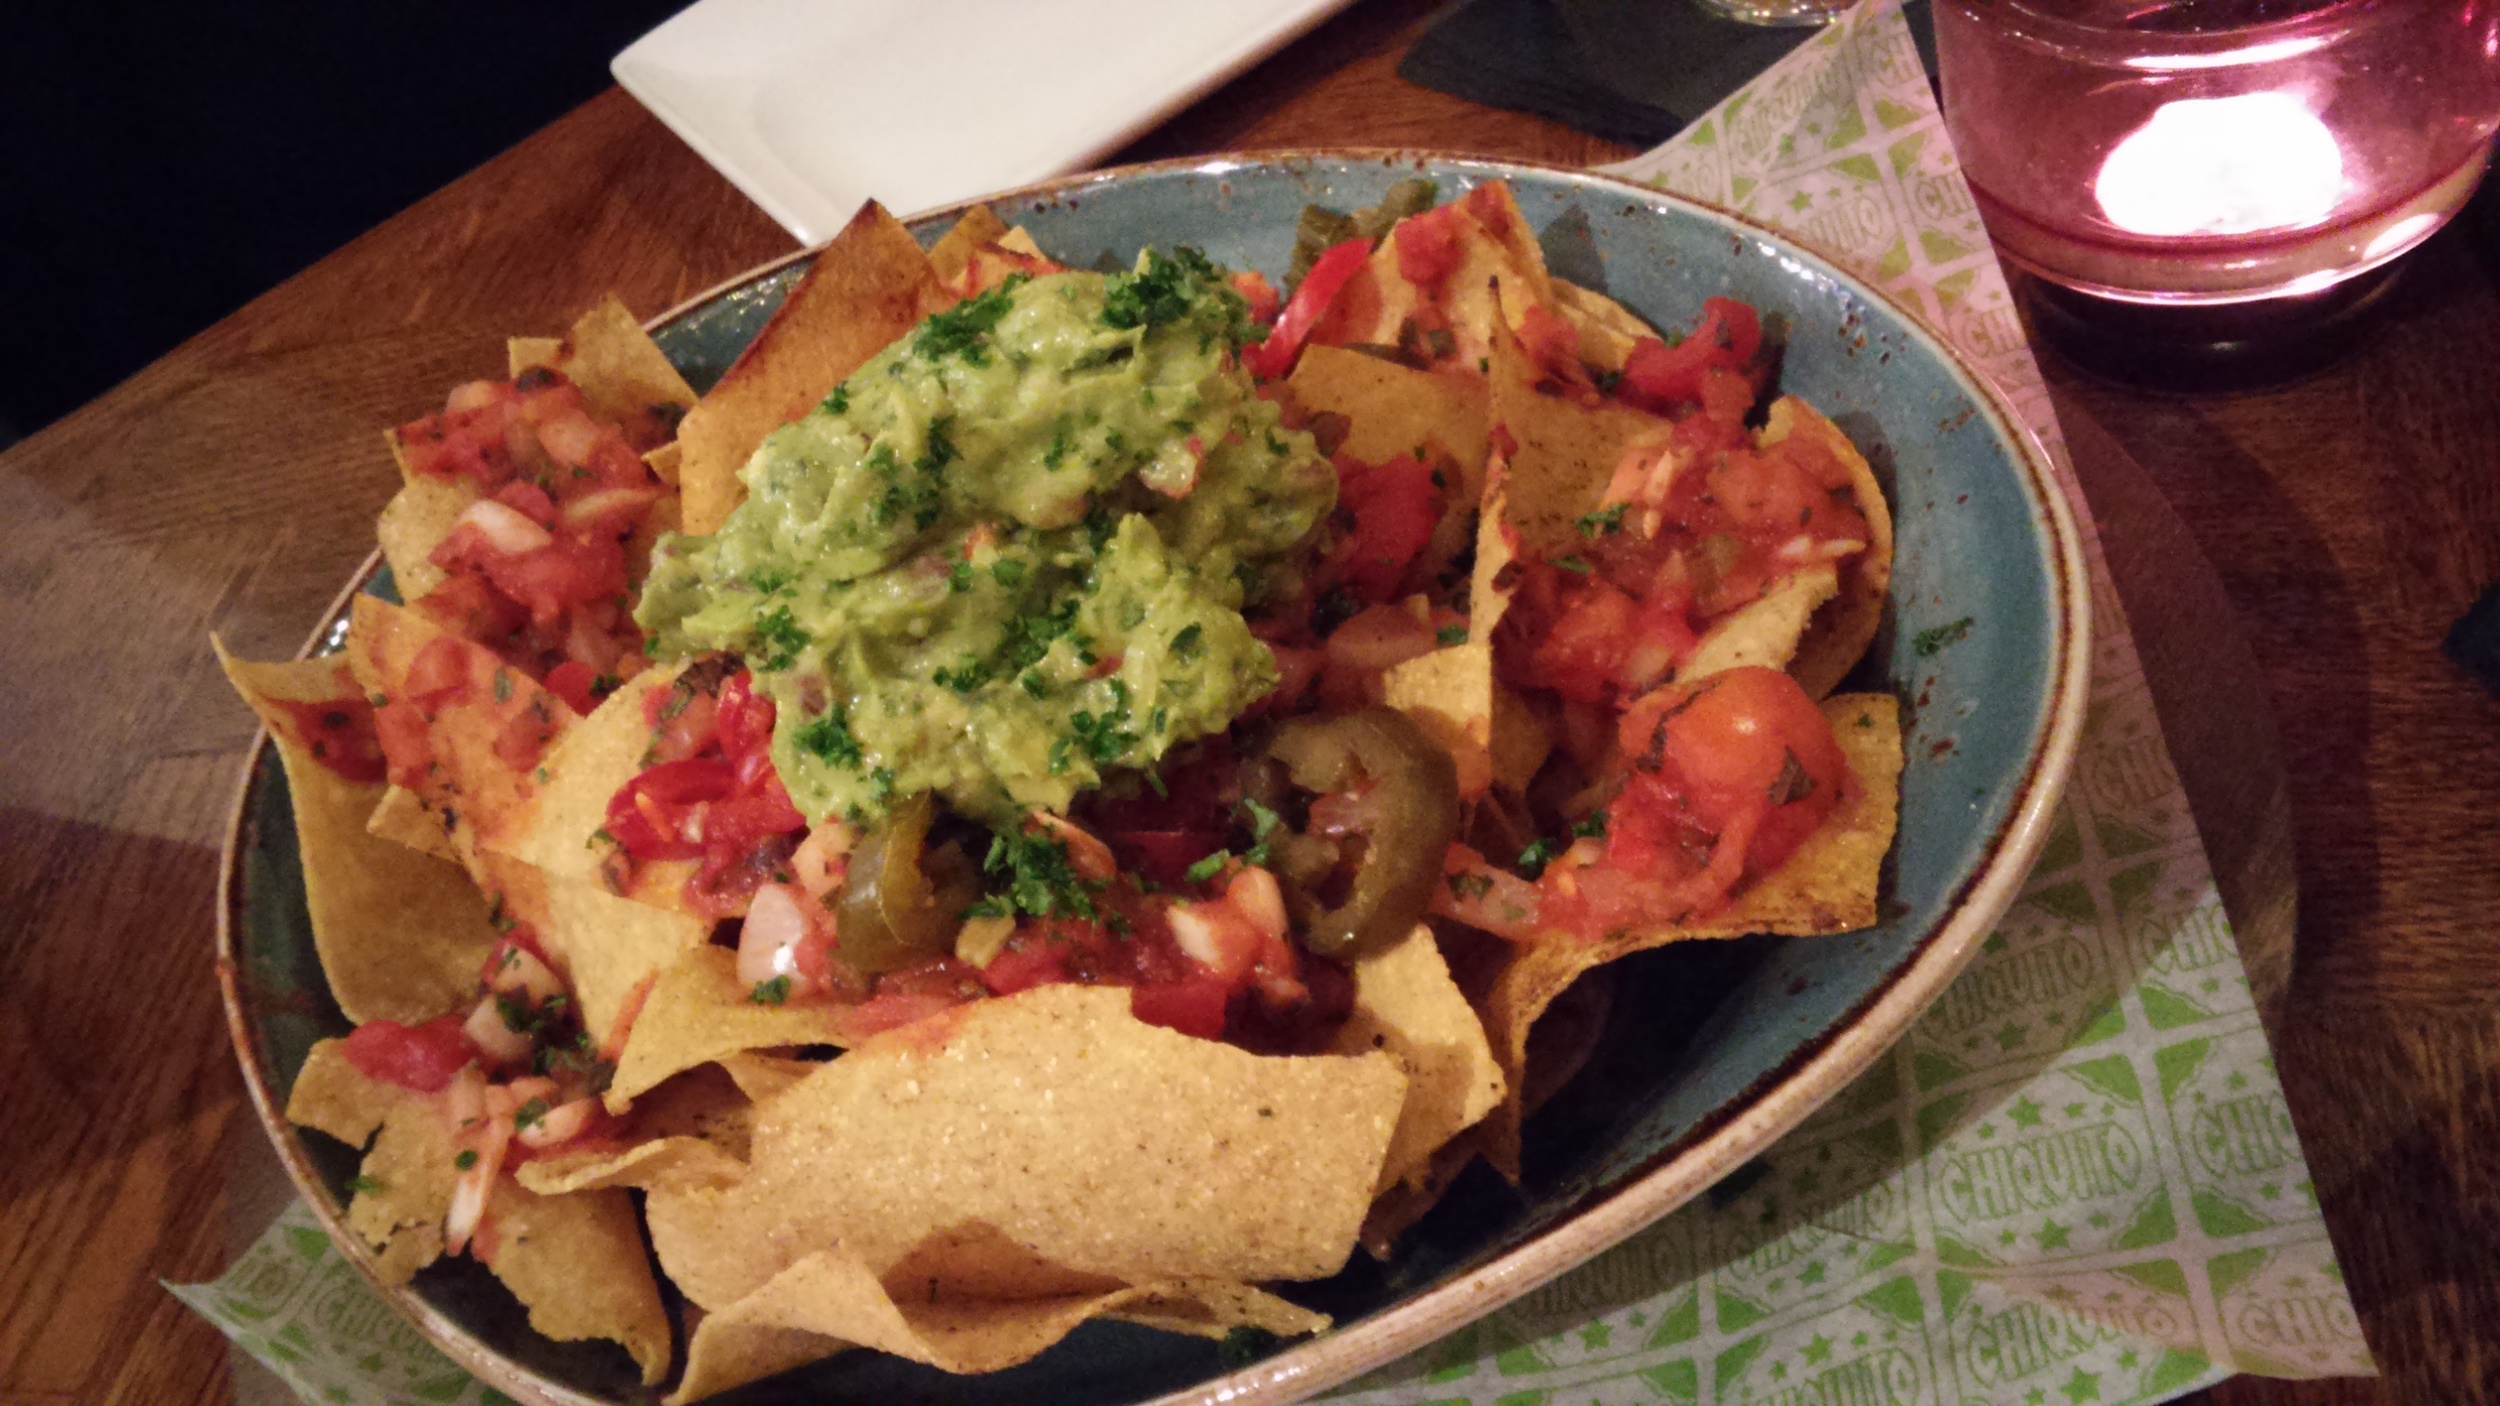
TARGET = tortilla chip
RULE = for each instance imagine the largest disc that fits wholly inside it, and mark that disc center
(577, 1263)
(609, 949)
(562, 828)
(471, 786)
(1406, 1006)
(869, 286)
(1436, 417)
(1565, 452)
(402, 819)
(1489, 588)
(415, 522)
(1488, 732)
(1499, 275)
(1765, 632)
(760, 1076)
(829, 1301)
(401, 935)
(624, 377)
(529, 353)
(952, 254)
(1608, 330)
(1841, 631)
(404, 1187)
(993, 1116)
(1827, 886)
(693, 1130)
(663, 462)
(699, 1011)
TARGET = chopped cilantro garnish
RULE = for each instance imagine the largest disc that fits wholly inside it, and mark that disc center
(1040, 879)
(1008, 572)
(466, 1159)
(964, 329)
(829, 735)
(971, 675)
(1573, 565)
(770, 993)
(959, 580)
(529, 1115)
(1165, 290)
(503, 685)
(1535, 857)
(1209, 867)
(839, 402)
(366, 1186)
(1263, 823)
(1591, 826)
(1605, 522)
(1929, 643)
(779, 630)
(1187, 642)
(1451, 634)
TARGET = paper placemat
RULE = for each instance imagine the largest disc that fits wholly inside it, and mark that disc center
(2074, 1181)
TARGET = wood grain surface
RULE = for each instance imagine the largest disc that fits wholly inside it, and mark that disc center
(232, 487)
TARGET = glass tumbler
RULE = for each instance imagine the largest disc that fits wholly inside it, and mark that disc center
(2217, 151)
(1782, 12)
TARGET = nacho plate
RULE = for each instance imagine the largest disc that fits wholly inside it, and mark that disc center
(1982, 533)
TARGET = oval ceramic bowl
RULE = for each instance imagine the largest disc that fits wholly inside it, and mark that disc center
(1757, 1033)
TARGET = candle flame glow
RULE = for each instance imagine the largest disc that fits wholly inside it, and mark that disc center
(2235, 165)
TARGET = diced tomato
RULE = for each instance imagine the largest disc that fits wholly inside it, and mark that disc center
(1659, 378)
(1428, 246)
(1297, 668)
(439, 674)
(647, 816)
(339, 732)
(529, 500)
(1260, 294)
(1273, 359)
(421, 1058)
(1394, 507)
(523, 739)
(1553, 347)
(399, 726)
(574, 682)
(745, 721)
(1192, 1005)
(1745, 748)
(1581, 656)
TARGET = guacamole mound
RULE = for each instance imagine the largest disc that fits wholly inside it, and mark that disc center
(1011, 551)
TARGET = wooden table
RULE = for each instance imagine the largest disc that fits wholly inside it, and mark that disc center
(232, 486)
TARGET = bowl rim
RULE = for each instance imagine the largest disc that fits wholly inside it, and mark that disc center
(1721, 1142)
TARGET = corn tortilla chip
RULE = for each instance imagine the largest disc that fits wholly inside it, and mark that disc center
(561, 828)
(624, 377)
(1607, 328)
(1565, 452)
(1497, 546)
(404, 1187)
(577, 1263)
(1452, 694)
(869, 286)
(829, 1301)
(1436, 417)
(693, 1130)
(528, 353)
(415, 522)
(1246, 1167)
(401, 935)
(952, 253)
(1764, 632)
(664, 461)
(473, 784)
(609, 949)
(401, 818)
(699, 1011)
(1842, 630)
(1827, 886)
(1407, 1006)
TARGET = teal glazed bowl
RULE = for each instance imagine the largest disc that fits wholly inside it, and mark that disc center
(1712, 1050)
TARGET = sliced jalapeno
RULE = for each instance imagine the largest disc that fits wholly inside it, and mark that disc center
(893, 911)
(1359, 879)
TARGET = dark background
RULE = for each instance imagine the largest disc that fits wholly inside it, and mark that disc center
(162, 164)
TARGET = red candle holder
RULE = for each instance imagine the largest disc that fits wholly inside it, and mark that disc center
(2197, 152)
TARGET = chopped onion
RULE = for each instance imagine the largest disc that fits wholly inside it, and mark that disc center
(572, 439)
(472, 396)
(1254, 891)
(1195, 934)
(496, 1040)
(822, 860)
(768, 943)
(559, 1125)
(506, 529)
(520, 970)
(620, 503)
